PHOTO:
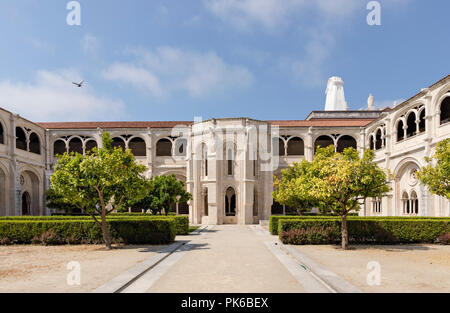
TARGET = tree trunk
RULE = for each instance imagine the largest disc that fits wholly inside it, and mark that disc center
(105, 231)
(344, 232)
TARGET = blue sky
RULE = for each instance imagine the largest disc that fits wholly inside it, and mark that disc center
(176, 59)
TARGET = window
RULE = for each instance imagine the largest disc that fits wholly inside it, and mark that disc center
(90, 145)
(21, 139)
(295, 147)
(205, 161)
(346, 142)
(378, 140)
(138, 147)
(377, 205)
(412, 126)
(445, 111)
(164, 148)
(76, 145)
(422, 122)
(323, 142)
(400, 131)
(59, 147)
(35, 144)
(118, 142)
(414, 203)
(406, 203)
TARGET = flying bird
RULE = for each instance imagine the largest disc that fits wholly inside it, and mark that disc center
(80, 84)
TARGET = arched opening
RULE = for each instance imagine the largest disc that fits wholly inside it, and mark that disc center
(26, 204)
(180, 148)
(118, 142)
(205, 203)
(230, 161)
(378, 140)
(35, 144)
(412, 126)
(445, 111)
(372, 143)
(76, 145)
(230, 202)
(255, 203)
(278, 147)
(30, 187)
(422, 124)
(400, 131)
(295, 147)
(323, 142)
(406, 203)
(21, 139)
(90, 145)
(414, 203)
(59, 147)
(2, 135)
(164, 148)
(346, 142)
(3, 210)
(138, 147)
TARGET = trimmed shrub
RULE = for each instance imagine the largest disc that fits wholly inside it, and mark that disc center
(274, 219)
(311, 236)
(369, 230)
(181, 222)
(130, 231)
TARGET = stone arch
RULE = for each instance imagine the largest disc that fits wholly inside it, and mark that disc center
(378, 139)
(295, 147)
(21, 139)
(31, 186)
(323, 141)
(400, 128)
(406, 182)
(76, 145)
(138, 146)
(422, 123)
(230, 200)
(164, 147)
(411, 129)
(35, 144)
(59, 147)
(371, 142)
(119, 142)
(89, 145)
(445, 110)
(345, 142)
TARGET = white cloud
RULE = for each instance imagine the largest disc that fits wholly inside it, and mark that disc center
(318, 23)
(42, 45)
(168, 69)
(51, 96)
(382, 104)
(90, 45)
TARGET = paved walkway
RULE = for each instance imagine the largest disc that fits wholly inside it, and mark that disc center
(226, 258)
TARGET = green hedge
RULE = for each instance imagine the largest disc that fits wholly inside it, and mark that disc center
(274, 219)
(181, 222)
(363, 230)
(129, 231)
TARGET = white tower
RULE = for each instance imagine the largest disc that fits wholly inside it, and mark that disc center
(370, 102)
(335, 95)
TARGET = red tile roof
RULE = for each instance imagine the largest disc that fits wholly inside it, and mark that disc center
(171, 124)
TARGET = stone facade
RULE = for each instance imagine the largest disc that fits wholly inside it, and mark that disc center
(228, 164)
